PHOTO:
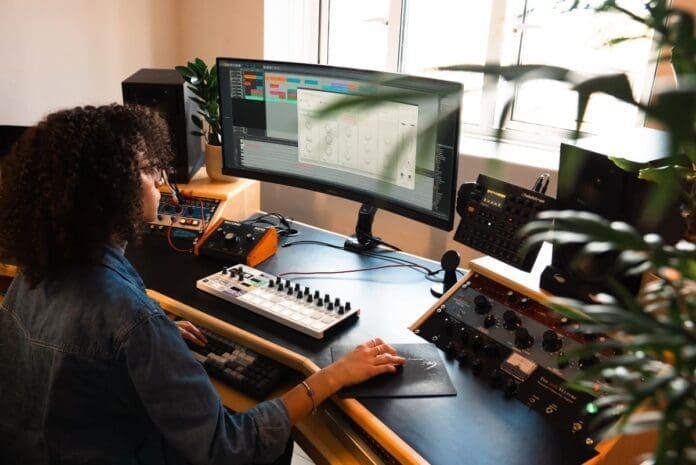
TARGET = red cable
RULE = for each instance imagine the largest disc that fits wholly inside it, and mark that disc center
(169, 235)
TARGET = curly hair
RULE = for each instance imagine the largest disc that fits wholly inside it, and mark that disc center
(72, 184)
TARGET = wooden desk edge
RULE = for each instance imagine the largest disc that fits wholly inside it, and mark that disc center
(8, 270)
(361, 415)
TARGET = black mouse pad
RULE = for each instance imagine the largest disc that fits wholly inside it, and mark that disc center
(423, 375)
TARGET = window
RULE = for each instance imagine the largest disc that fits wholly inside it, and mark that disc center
(415, 36)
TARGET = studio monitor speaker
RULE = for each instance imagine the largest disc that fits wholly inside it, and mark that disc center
(589, 181)
(165, 91)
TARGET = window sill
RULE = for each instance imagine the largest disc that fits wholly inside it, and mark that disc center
(545, 158)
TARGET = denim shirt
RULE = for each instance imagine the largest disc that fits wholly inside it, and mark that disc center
(92, 371)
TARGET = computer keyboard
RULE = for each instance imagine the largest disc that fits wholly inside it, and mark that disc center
(240, 367)
(309, 311)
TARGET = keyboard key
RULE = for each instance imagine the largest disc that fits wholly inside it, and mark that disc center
(238, 366)
(255, 295)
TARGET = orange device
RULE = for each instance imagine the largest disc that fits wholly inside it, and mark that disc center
(238, 242)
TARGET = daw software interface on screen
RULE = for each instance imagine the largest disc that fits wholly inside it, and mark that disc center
(401, 149)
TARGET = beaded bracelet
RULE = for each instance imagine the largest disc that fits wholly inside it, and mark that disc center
(310, 394)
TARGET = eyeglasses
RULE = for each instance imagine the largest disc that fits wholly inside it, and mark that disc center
(154, 171)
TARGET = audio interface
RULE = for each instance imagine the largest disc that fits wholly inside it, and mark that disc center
(238, 242)
(517, 345)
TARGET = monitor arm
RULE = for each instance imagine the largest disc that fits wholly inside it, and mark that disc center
(363, 239)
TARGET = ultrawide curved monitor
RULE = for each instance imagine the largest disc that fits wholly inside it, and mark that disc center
(399, 153)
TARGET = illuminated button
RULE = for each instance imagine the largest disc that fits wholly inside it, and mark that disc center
(182, 221)
(195, 222)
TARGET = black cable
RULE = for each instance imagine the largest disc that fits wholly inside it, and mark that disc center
(426, 271)
(381, 242)
(285, 230)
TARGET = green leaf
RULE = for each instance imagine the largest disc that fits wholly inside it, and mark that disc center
(679, 159)
(616, 85)
(643, 422)
(213, 76)
(185, 72)
(197, 70)
(667, 175)
(201, 66)
(668, 188)
(570, 308)
(676, 109)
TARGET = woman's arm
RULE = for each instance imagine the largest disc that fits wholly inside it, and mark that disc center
(367, 360)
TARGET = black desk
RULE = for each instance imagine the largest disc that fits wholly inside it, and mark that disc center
(477, 427)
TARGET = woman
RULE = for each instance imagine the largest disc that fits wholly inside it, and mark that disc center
(91, 370)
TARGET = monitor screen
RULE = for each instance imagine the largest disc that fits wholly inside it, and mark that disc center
(399, 153)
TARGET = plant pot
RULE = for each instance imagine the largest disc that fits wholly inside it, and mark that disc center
(213, 164)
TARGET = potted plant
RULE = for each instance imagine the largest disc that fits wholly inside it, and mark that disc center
(203, 84)
(651, 378)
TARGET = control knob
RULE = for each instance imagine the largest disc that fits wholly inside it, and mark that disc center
(523, 340)
(489, 320)
(550, 341)
(511, 320)
(482, 305)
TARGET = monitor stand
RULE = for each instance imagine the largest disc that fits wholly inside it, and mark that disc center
(363, 240)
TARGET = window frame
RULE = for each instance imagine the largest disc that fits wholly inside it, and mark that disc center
(495, 89)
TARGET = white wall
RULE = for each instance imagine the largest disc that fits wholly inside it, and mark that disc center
(212, 28)
(58, 54)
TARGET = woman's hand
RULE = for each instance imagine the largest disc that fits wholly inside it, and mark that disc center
(190, 333)
(364, 362)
